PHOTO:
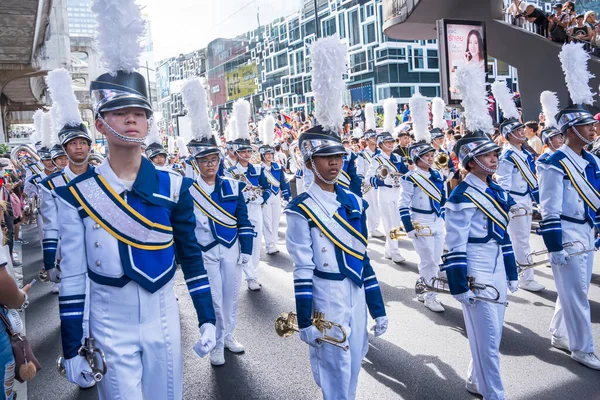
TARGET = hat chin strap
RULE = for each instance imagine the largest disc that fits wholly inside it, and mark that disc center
(581, 137)
(425, 162)
(520, 139)
(483, 167)
(318, 174)
(123, 137)
(78, 164)
(387, 147)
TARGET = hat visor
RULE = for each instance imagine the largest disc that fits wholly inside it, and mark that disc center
(75, 135)
(120, 104)
(206, 152)
(330, 151)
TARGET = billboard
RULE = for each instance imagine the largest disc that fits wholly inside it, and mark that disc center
(241, 81)
(162, 80)
(460, 42)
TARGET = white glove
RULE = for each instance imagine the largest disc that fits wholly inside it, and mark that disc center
(389, 181)
(54, 275)
(559, 257)
(259, 200)
(310, 335)
(513, 286)
(247, 196)
(207, 341)
(467, 298)
(78, 371)
(381, 325)
(243, 259)
(412, 234)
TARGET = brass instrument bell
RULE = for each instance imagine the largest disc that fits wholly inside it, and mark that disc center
(287, 324)
(422, 230)
(440, 285)
(442, 160)
(94, 357)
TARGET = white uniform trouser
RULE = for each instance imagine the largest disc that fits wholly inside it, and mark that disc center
(335, 370)
(373, 215)
(271, 217)
(519, 230)
(429, 248)
(225, 277)
(388, 204)
(140, 335)
(572, 284)
(484, 320)
(256, 218)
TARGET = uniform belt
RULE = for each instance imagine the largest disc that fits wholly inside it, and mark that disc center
(518, 193)
(484, 239)
(332, 276)
(418, 210)
(574, 220)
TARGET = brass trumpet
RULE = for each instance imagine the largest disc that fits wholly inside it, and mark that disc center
(287, 323)
(442, 160)
(383, 172)
(94, 357)
(519, 211)
(531, 264)
(422, 230)
(365, 187)
(440, 285)
(255, 191)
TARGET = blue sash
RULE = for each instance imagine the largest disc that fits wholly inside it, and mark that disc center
(490, 207)
(210, 208)
(429, 188)
(344, 236)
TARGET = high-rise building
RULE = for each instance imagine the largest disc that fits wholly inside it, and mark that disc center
(81, 18)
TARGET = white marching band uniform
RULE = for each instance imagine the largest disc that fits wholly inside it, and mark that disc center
(279, 188)
(363, 165)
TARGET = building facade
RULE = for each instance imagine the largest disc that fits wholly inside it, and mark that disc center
(81, 19)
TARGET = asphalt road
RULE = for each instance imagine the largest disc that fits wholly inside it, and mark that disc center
(423, 355)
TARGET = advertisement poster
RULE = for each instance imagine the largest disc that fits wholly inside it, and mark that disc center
(461, 42)
(241, 82)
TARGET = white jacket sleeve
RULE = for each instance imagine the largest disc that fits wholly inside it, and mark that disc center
(504, 174)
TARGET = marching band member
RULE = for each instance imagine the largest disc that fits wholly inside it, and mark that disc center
(349, 178)
(363, 164)
(230, 158)
(552, 137)
(34, 168)
(154, 151)
(119, 223)
(516, 174)
(277, 184)
(253, 176)
(223, 229)
(297, 168)
(479, 244)
(421, 199)
(388, 187)
(328, 245)
(570, 200)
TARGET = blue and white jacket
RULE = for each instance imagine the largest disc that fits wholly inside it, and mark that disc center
(348, 177)
(394, 163)
(115, 235)
(511, 179)
(278, 174)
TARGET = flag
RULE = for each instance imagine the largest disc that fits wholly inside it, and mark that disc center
(287, 123)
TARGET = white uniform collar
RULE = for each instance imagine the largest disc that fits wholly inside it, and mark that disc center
(579, 161)
(476, 182)
(112, 179)
(518, 150)
(327, 200)
(70, 174)
(205, 186)
(426, 174)
(241, 168)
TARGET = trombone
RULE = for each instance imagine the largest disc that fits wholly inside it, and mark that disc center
(94, 357)
(531, 264)
(287, 323)
(422, 230)
(440, 285)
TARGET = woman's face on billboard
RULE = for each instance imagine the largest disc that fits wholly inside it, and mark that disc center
(474, 46)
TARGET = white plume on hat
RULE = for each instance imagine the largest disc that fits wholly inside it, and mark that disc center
(268, 130)
(38, 117)
(260, 129)
(574, 62)
(390, 114)
(47, 130)
(550, 107)
(196, 102)
(328, 64)
(370, 123)
(230, 133)
(504, 99)
(60, 86)
(171, 145)
(470, 82)
(54, 114)
(181, 145)
(241, 113)
(437, 109)
(120, 30)
(153, 136)
(419, 112)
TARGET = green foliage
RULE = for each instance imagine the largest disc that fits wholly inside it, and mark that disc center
(4, 149)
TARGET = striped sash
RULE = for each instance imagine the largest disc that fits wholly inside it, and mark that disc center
(272, 180)
(489, 206)
(525, 171)
(210, 208)
(585, 189)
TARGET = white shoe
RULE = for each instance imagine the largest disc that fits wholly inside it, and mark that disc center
(387, 256)
(217, 356)
(272, 249)
(376, 233)
(234, 346)
(560, 343)
(421, 297)
(472, 388)
(253, 284)
(590, 360)
(434, 304)
(531, 286)
(397, 258)
(55, 288)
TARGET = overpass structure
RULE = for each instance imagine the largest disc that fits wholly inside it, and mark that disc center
(535, 57)
(33, 40)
